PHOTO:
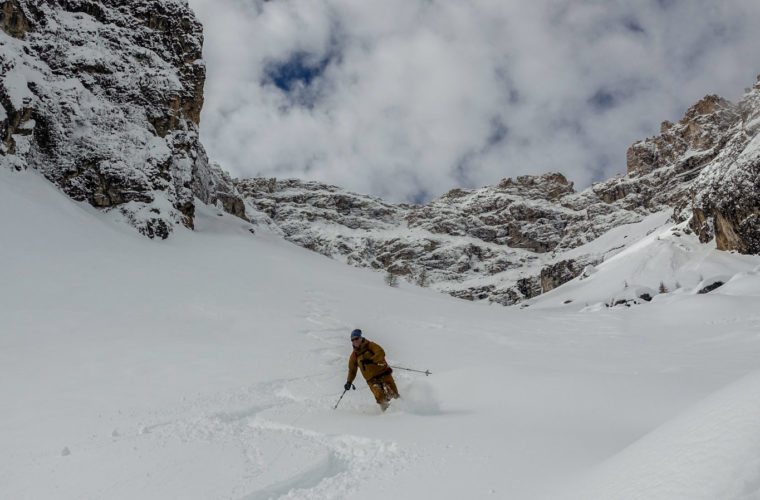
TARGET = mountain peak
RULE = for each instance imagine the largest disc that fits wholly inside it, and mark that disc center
(550, 186)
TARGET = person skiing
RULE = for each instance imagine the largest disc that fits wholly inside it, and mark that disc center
(370, 357)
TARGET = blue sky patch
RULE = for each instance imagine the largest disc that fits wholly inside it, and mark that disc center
(298, 71)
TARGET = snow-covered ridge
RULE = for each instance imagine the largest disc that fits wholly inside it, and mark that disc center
(504, 243)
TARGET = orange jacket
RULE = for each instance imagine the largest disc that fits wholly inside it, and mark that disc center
(370, 357)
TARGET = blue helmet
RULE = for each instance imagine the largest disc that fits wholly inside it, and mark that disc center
(356, 334)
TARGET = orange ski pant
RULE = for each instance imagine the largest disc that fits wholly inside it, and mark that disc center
(383, 387)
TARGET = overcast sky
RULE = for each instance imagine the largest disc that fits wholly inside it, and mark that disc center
(406, 99)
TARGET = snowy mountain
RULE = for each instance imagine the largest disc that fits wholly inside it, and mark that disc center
(526, 236)
(209, 365)
(104, 99)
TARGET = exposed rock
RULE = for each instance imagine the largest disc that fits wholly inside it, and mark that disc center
(709, 288)
(104, 99)
(702, 132)
(560, 273)
(662, 169)
(726, 197)
(706, 168)
(518, 213)
(464, 235)
(13, 19)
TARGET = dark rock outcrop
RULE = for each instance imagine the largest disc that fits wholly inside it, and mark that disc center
(689, 144)
(559, 273)
(13, 19)
(707, 169)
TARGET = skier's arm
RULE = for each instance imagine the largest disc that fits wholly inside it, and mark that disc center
(352, 367)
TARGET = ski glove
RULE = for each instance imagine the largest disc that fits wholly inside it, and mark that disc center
(347, 386)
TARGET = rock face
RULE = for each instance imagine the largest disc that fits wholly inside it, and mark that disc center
(689, 144)
(521, 213)
(726, 202)
(103, 97)
(517, 229)
(716, 145)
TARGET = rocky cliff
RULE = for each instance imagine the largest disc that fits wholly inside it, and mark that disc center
(726, 196)
(518, 229)
(103, 97)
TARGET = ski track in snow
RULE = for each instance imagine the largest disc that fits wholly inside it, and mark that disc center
(258, 425)
(261, 423)
(278, 458)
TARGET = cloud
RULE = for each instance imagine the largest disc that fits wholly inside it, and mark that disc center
(406, 99)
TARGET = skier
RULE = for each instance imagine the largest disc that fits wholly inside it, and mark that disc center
(370, 357)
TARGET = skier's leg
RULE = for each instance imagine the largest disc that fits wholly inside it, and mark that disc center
(376, 386)
(390, 386)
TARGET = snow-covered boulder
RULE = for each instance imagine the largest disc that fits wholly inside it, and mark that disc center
(712, 283)
(632, 295)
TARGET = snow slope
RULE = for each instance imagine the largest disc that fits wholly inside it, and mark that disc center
(207, 366)
(659, 259)
(708, 452)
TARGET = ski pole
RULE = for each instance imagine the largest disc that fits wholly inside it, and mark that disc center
(426, 372)
(341, 396)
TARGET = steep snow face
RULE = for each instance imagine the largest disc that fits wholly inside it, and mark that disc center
(208, 366)
(104, 98)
